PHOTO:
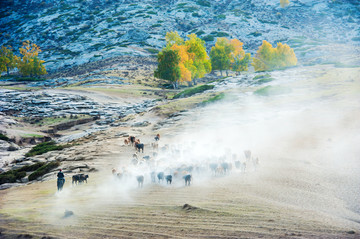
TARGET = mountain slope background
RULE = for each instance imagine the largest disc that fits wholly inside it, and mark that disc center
(74, 32)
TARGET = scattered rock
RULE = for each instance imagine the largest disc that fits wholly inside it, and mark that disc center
(68, 213)
(188, 207)
(141, 124)
(122, 134)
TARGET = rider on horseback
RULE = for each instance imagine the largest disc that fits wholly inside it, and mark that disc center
(60, 180)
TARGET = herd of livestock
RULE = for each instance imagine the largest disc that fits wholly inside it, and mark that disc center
(178, 163)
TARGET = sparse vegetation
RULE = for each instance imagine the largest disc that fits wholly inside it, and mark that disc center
(43, 170)
(43, 148)
(214, 99)
(193, 91)
(203, 3)
(12, 175)
(272, 90)
(3, 137)
(152, 50)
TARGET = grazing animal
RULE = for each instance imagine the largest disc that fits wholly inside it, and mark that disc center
(79, 178)
(227, 167)
(132, 140)
(213, 167)
(168, 179)
(160, 176)
(187, 179)
(140, 180)
(139, 146)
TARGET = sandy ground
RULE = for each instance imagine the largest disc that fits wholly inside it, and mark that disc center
(306, 185)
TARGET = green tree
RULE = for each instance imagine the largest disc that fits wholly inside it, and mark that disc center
(7, 59)
(241, 63)
(168, 66)
(30, 64)
(172, 38)
(200, 59)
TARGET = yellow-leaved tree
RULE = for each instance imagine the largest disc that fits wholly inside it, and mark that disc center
(7, 59)
(186, 62)
(30, 64)
(284, 3)
(201, 63)
(193, 61)
(270, 58)
(229, 55)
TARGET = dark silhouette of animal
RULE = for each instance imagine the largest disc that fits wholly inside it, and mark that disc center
(79, 178)
(213, 167)
(187, 179)
(168, 179)
(139, 146)
(132, 140)
(227, 167)
(160, 176)
(140, 180)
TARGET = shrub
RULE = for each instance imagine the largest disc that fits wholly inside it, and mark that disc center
(208, 38)
(152, 50)
(203, 3)
(261, 79)
(43, 148)
(11, 176)
(272, 90)
(30, 168)
(213, 99)
(3, 137)
(193, 91)
(43, 170)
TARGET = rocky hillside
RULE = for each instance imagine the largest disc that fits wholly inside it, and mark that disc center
(73, 32)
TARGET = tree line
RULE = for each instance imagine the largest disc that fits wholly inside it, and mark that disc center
(28, 63)
(185, 61)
